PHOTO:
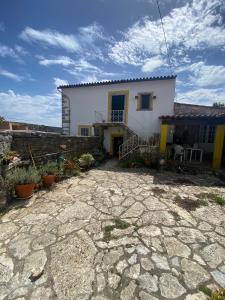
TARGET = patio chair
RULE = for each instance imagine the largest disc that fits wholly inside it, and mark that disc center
(179, 152)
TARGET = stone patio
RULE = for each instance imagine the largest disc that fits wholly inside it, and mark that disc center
(115, 234)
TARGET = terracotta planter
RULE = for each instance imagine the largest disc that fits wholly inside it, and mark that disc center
(48, 180)
(24, 191)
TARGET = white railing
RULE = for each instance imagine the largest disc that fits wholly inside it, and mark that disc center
(112, 116)
(135, 142)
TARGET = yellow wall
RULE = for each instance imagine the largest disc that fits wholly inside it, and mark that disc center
(163, 137)
(218, 146)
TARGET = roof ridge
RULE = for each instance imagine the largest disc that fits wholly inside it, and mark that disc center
(116, 81)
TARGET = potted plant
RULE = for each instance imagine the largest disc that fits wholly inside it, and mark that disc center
(9, 156)
(86, 160)
(23, 180)
(48, 173)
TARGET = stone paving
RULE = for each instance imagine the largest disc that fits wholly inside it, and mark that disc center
(114, 234)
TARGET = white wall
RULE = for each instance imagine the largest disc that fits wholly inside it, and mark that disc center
(84, 101)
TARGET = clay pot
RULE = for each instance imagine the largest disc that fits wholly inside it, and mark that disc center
(24, 191)
(48, 180)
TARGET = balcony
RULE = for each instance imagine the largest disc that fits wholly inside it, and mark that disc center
(113, 116)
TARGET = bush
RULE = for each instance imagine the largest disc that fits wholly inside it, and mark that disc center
(23, 176)
(71, 168)
(87, 157)
(50, 168)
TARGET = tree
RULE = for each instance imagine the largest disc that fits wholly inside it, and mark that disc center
(219, 104)
(2, 120)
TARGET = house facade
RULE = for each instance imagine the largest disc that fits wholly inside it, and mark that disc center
(117, 109)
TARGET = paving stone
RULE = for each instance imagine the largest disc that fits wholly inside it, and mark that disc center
(148, 282)
(188, 235)
(147, 264)
(132, 260)
(133, 271)
(34, 264)
(160, 261)
(6, 268)
(43, 241)
(175, 262)
(175, 248)
(20, 245)
(196, 296)
(41, 293)
(134, 211)
(113, 280)
(170, 286)
(100, 282)
(199, 259)
(149, 231)
(204, 226)
(194, 274)
(219, 277)
(158, 217)
(213, 254)
(142, 250)
(121, 266)
(128, 292)
(73, 257)
(7, 230)
(145, 296)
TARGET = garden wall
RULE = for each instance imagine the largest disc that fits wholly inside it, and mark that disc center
(5, 144)
(47, 143)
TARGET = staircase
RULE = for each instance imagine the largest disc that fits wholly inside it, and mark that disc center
(133, 143)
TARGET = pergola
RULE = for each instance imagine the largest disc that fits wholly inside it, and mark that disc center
(217, 120)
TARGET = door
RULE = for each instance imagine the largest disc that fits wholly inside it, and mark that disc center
(118, 105)
(117, 141)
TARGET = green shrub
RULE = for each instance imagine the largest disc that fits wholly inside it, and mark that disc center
(87, 157)
(50, 168)
(23, 176)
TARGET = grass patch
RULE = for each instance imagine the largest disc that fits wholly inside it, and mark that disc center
(118, 224)
(212, 197)
(207, 291)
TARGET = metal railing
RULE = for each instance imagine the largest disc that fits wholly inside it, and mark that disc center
(112, 116)
(135, 142)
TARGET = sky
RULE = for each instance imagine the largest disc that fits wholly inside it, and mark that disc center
(47, 43)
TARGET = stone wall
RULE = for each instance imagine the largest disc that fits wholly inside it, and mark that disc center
(5, 144)
(193, 109)
(46, 143)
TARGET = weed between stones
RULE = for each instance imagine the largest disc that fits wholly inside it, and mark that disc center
(119, 224)
(212, 197)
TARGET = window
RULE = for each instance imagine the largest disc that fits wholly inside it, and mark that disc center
(207, 134)
(96, 131)
(84, 130)
(144, 102)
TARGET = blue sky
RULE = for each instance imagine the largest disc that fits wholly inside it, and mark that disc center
(46, 43)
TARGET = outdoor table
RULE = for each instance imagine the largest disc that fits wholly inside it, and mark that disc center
(193, 150)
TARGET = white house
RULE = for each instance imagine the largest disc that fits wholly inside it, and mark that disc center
(118, 109)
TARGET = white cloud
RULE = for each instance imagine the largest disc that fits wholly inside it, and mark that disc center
(196, 25)
(205, 75)
(202, 96)
(59, 81)
(152, 64)
(38, 109)
(10, 75)
(51, 38)
(16, 53)
(60, 60)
